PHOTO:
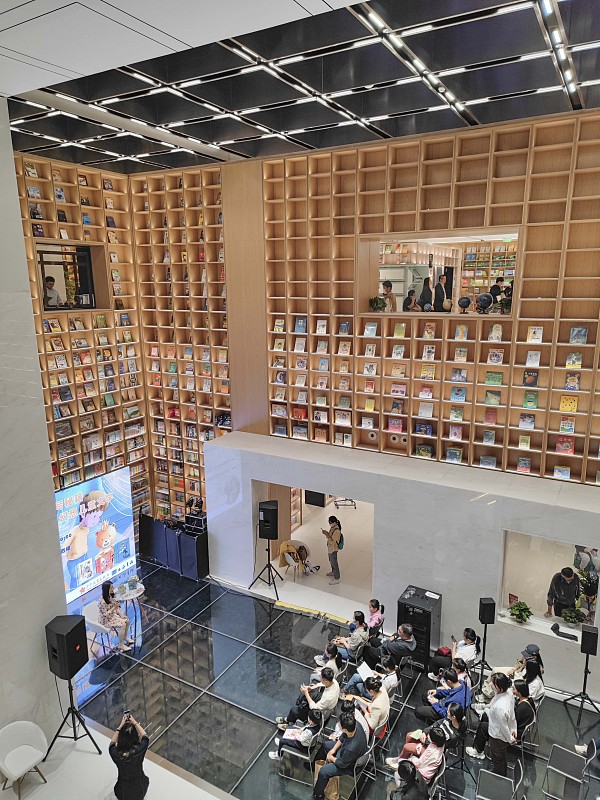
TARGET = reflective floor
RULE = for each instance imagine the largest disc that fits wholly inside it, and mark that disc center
(211, 669)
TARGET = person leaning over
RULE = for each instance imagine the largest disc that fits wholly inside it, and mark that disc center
(327, 691)
(127, 749)
(341, 755)
(564, 592)
(333, 536)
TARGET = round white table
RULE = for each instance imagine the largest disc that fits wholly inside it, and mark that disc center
(132, 596)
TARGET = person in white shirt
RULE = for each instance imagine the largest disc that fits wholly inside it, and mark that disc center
(299, 738)
(326, 703)
(498, 724)
(468, 649)
(348, 707)
(52, 299)
(533, 678)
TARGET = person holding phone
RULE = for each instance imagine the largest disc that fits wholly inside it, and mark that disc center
(468, 649)
(127, 749)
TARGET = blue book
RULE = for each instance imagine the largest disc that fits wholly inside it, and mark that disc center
(458, 394)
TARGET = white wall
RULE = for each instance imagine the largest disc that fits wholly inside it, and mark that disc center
(437, 526)
(31, 583)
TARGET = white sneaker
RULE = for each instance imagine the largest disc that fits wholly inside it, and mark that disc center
(392, 762)
(274, 756)
(334, 581)
(479, 708)
(329, 574)
(470, 751)
(320, 661)
(277, 741)
(581, 749)
(431, 676)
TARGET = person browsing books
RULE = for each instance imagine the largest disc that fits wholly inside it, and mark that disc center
(389, 297)
(497, 290)
(334, 537)
(563, 593)
(52, 299)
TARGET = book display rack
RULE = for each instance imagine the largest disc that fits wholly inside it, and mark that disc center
(179, 247)
(90, 358)
(514, 392)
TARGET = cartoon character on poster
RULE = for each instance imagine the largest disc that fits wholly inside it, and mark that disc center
(91, 509)
(105, 538)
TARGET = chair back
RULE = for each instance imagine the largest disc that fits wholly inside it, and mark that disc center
(357, 658)
(493, 787)
(20, 733)
(517, 779)
(380, 728)
(591, 755)
(361, 761)
(434, 783)
(91, 612)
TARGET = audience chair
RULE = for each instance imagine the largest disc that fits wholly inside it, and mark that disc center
(377, 740)
(90, 612)
(493, 787)
(356, 660)
(434, 785)
(407, 661)
(527, 737)
(564, 772)
(591, 755)
(360, 768)
(22, 747)
(308, 757)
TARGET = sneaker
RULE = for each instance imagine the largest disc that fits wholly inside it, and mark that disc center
(329, 574)
(277, 741)
(470, 751)
(431, 676)
(334, 581)
(392, 762)
(581, 749)
(479, 708)
(124, 648)
(320, 661)
(281, 720)
(274, 756)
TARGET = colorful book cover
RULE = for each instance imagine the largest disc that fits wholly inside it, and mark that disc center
(573, 381)
(398, 370)
(568, 403)
(524, 442)
(535, 334)
(530, 377)
(496, 333)
(567, 425)
(300, 325)
(460, 354)
(578, 335)
(574, 360)
(487, 462)
(425, 391)
(527, 421)
(530, 399)
(457, 413)
(398, 351)
(369, 386)
(455, 432)
(565, 445)
(454, 454)
(423, 428)
(489, 437)
(563, 473)
(429, 330)
(495, 356)
(424, 451)
(458, 394)
(395, 425)
(428, 371)
(370, 368)
(428, 352)
(399, 330)
(279, 326)
(524, 464)
(461, 331)
(458, 375)
(492, 398)
(370, 329)
(493, 378)
(398, 389)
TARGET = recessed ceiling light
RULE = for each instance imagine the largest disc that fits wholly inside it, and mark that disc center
(418, 29)
(571, 87)
(290, 60)
(144, 78)
(568, 75)
(562, 53)
(556, 37)
(187, 84)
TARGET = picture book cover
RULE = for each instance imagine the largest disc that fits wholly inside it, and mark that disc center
(369, 386)
(533, 358)
(397, 406)
(344, 366)
(562, 473)
(530, 399)
(530, 377)
(487, 462)
(568, 403)
(395, 425)
(428, 371)
(489, 437)
(495, 356)
(460, 354)
(458, 394)
(398, 370)
(279, 326)
(323, 365)
(535, 334)
(565, 445)
(299, 432)
(322, 346)
(428, 352)
(301, 362)
(300, 325)
(398, 351)
(367, 422)
(279, 344)
(492, 398)
(344, 384)
(370, 350)
(527, 421)
(493, 378)
(398, 389)
(524, 442)
(370, 368)
(343, 418)
(490, 416)
(425, 410)
(495, 334)
(425, 391)
(370, 404)
(370, 329)
(574, 360)
(573, 381)
(455, 432)
(524, 465)
(320, 416)
(578, 335)
(424, 451)
(429, 330)
(461, 331)
(321, 382)
(399, 330)
(321, 326)
(344, 328)
(344, 348)
(344, 401)
(454, 454)
(423, 428)
(457, 413)
(458, 375)
(567, 424)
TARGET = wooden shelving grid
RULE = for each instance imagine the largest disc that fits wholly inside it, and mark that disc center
(519, 397)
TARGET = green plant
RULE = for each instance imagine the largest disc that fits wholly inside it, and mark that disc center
(573, 616)
(588, 582)
(376, 303)
(520, 611)
(506, 303)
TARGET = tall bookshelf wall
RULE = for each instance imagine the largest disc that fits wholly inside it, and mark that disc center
(180, 263)
(541, 178)
(92, 357)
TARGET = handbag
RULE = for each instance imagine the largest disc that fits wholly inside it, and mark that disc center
(316, 694)
(443, 651)
(332, 790)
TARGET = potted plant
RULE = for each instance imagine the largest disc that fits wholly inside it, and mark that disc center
(573, 617)
(505, 305)
(588, 581)
(377, 303)
(520, 612)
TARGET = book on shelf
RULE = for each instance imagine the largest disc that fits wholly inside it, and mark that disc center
(454, 454)
(562, 473)
(370, 404)
(367, 422)
(573, 381)
(299, 432)
(495, 356)
(428, 371)
(320, 416)
(279, 393)
(369, 386)
(530, 399)
(527, 421)
(395, 424)
(424, 451)
(495, 333)
(61, 215)
(461, 332)
(56, 343)
(423, 429)
(344, 328)
(279, 326)
(113, 257)
(567, 424)
(535, 334)
(524, 465)
(109, 205)
(321, 435)
(425, 410)
(280, 376)
(493, 378)
(455, 432)
(344, 401)
(426, 391)
(530, 377)
(110, 222)
(321, 326)
(321, 382)
(324, 365)
(370, 368)
(568, 403)
(458, 375)
(460, 354)
(399, 330)
(398, 351)
(458, 394)
(59, 194)
(370, 329)
(578, 335)
(35, 211)
(398, 389)
(533, 358)
(565, 445)
(524, 442)
(456, 413)
(398, 371)
(300, 379)
(321, 400)
(429, 330)
(86, 219)
(300, 325)
(30, 169)
(344, 348)
(487, 462)
(322, 346)
(344, 366)
(574, 360)
(428, 352)
(37, 229)
(34, 192)
(490, 416)
(53, 324)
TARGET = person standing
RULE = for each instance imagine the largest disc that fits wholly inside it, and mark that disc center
(389, 297)
(426, 298)
(334, 537)
(563, 593)
(127, 749)
(440, 294)
(501, 725)
(52, 299)
(497, 290)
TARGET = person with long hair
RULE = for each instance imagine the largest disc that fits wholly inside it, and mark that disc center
(348, 645)
(333, 536)
(429, 758)
(498, 724)
(426, 298)
(299, 738)
(333, 659)
(533, 679)
(389, 674)
(127, 749)
(524, 707)
(377, 708)
(111, 616)
(468, 649)
(412, 784)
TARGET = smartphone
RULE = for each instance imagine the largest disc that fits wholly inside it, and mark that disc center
(453, 638)
(127, 713)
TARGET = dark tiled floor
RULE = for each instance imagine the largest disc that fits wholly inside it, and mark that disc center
(207, 689)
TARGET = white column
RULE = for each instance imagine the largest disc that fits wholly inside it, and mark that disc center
(31, 582)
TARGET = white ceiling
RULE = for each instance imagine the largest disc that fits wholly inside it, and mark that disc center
(48, 41)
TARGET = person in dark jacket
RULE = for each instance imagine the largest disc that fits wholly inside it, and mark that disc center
(440, 294)
(412, 787)
(426, 296)
(398, 646)
(564, 592)
(341, 755)
(127, 749)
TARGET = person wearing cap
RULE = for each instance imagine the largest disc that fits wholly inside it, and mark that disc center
(563, 593)
(389, 297)
(516, 672)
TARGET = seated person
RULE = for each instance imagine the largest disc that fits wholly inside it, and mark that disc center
(348, 707)
(375, 618)
(412, 785)
(437, 700)
(387, 671)
(410, 302)
(328, 692)
(524, 708)
(468, 649)
(378, 710)
(398, 646)
(534, 680)
(463, 674)
(341, 755)
(348, 645)
(454, 728)
(111, 616)
(300, 738)
(531, 652)
(334, 662)
(430, 759)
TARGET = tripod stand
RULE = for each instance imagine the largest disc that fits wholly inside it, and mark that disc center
(271, 572)
(583, 696)
(460, 762)
(76, 719)
(483, 663)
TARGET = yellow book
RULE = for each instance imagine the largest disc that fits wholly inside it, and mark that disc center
(568, 403)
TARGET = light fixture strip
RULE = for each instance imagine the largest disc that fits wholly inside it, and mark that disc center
(551, 21)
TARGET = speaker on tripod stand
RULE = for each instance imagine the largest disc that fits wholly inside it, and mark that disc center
(268, 529)
(487, 616)
(589, 647)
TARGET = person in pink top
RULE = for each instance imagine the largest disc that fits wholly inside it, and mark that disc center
(431, 757)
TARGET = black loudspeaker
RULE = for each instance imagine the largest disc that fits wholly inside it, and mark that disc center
(487, 610)
(172, 545)
(67, 645)
(194, 555)
(267, 519)
(423, 610)
(589, 640)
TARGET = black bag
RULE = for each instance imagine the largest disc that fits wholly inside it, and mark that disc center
(316, 694)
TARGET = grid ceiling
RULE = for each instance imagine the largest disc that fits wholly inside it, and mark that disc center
(368, 72)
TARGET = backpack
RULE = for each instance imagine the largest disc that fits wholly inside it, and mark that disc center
(341, 541)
